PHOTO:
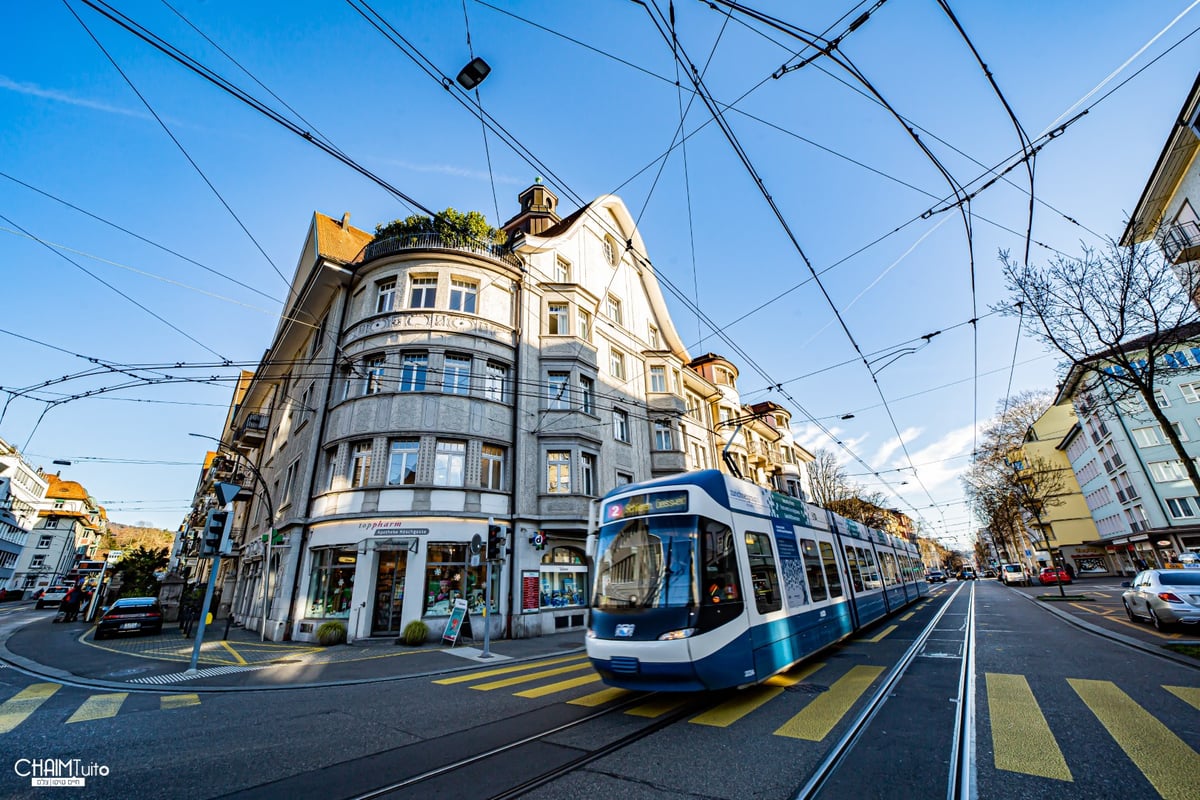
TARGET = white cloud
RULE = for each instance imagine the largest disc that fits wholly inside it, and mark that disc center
(892, 445)
(456, 171)
(34, 90)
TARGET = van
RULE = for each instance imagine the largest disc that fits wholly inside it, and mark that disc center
(1012, 574)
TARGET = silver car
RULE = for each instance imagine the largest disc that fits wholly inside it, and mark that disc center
(1164, 596)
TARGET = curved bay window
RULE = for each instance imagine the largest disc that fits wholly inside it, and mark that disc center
(331, 583)
(563, 578)
(448, 578)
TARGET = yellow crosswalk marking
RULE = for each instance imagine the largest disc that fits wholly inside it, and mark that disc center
(1021, 737)
(1165, 759)
(474, 676)
(530, 676)
(1188, 694)
(560, 686)
(178, 701)
(817, 719)
(99, 706)
(599, 698)
(882, 633)
(657, 707)
(748, 700)
(15, 709)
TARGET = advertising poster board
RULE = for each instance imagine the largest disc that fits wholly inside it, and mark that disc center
(529, 592)
(455, 623)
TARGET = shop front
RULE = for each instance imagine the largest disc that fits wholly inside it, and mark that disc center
(377, 575)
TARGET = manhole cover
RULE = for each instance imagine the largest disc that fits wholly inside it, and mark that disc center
(807, 688)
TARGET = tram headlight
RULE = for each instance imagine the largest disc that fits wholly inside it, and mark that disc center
(682, 633)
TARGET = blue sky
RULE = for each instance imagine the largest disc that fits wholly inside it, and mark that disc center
(589, 88)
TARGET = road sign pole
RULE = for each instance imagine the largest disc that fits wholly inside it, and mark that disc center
(225, 492)
(487, 610)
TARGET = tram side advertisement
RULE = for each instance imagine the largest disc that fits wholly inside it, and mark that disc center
(641, 505)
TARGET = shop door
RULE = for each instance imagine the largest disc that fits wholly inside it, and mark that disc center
(389, 592)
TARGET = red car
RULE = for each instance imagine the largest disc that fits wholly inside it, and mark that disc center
(1054, 575)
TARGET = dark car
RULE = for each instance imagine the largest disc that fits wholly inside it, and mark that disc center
(936, 576)
(131, 615)
(966, 574)
(10, 594)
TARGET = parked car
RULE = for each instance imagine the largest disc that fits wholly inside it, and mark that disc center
(52, 596)
(10, 594)
(1012, 574)
(1164, 596)
(1050, 575)
(989, 573)
(131, 615)
(935, 576)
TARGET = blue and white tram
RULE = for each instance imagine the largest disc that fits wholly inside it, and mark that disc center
(705, 581)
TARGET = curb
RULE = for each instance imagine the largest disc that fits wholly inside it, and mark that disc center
(1128, 641)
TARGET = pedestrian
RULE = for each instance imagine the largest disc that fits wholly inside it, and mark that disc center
(1070, 571)
(70, 604)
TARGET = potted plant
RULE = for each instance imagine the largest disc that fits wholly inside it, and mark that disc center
(332, 632)
(415, 633)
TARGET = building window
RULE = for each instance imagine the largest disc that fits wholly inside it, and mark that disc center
(616, 364)
(463, 295)
(413, 368)
(423, 292)
(1163, 471)
(1190, 391)
(558, 391)
(491, 467)
(318, 337)
(563, 578)
(723, 376)
(624, 478)
(449, 463)
(562, 270)
(44, 542)
(587, 473)
(374, 367)
(37, 562)
(1148, 436)
(663, 440)
(557, 316)
(360, 466)
(587, 395)
(448, 578)
(652, 337)
(494, 379)
(402, 462)
(658, 379)
(620, 425)
(456, 375)
(585, 325)
(612, 309)
(610, 250)
(385, 296)
(558, 472)
(331, 583)
(330, 468)
(1181, 507)
(1160, 398)
(289, 481)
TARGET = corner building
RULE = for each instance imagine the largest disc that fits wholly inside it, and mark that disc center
(418, 387)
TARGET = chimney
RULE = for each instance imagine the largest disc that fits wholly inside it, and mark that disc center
(345, 223)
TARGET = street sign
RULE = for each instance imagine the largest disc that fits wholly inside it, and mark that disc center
(114, 556)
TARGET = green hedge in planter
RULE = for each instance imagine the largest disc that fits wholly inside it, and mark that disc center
(415, 632)
(331, 633)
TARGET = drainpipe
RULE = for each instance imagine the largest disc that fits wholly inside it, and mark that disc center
(518, 310)
(319, 440)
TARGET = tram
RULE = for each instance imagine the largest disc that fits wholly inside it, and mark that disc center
(705, 581)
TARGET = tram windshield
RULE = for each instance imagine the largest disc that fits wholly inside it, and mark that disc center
(647, 562)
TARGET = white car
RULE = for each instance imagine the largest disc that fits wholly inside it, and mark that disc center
(52, 596)
(1013, 574)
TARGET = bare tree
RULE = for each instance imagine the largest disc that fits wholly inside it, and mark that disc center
(1118, 316)
(828, 479)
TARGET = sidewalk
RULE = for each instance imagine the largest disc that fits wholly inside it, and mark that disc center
(66, 652)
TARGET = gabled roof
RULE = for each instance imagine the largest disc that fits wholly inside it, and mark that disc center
(340, 241)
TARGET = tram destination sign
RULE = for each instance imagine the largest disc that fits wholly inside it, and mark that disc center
(641, 505)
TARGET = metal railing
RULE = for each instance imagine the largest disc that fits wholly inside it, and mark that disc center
(434, 241)
(1181, 242)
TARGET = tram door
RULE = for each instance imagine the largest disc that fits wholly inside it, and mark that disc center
(389, 592)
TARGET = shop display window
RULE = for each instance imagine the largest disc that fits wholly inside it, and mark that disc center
(563, 578)
(331, 583)
(448, 578)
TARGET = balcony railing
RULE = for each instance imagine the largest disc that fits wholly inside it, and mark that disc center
(434, 241)
(253, 430)
(1181, 242)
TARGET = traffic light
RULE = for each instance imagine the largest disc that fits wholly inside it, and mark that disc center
(214, 532)
(495, 541)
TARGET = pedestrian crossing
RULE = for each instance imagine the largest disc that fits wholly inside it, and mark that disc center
(39, 703)
(1012, 720)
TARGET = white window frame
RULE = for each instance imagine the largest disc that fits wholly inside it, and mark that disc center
(664, 435)
(456, 374)
(491, 467)
(658, 378)
(1142, 436)
(403, 453)
(495, 381)
(616, 363)
(450, 455)
(558, 391)
(562, 270)
(1181, 507)
(558, 319)
(422, 288)
(612, 310)
(464, 295)
(374, 367)
(587, 473)
(385, 296)
(621, 425)
(1190, 391)
(558, 472)
(360, 465)
(587, 395)
(1167, 471)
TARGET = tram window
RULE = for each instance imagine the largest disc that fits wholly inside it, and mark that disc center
(852, 564)
(719, 582)
(832, 573)
(870, 570)
(812, 566)
(763, 574)
(889, 568)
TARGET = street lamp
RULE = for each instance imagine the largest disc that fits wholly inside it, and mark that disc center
(266, 495)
